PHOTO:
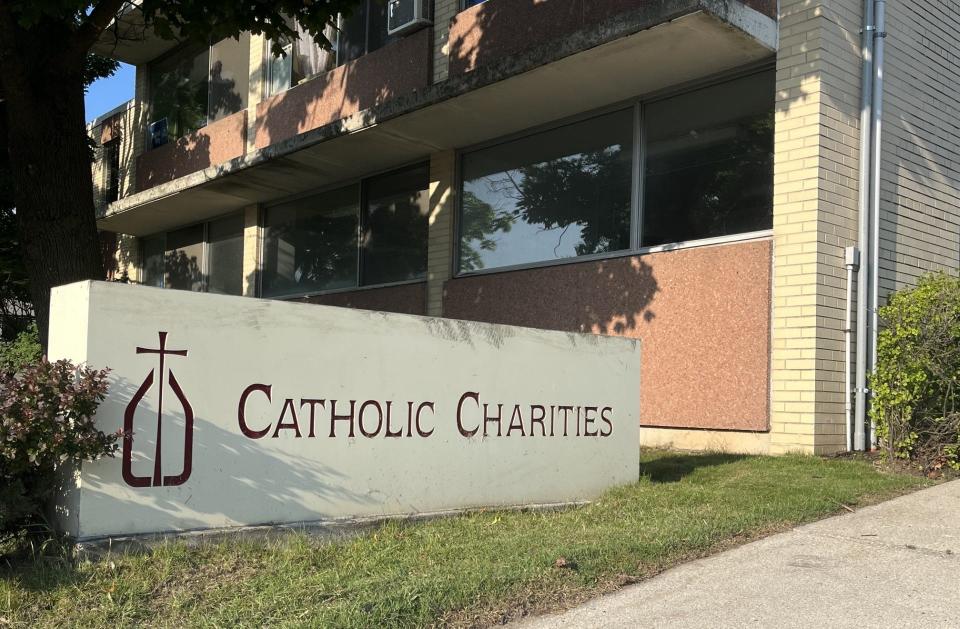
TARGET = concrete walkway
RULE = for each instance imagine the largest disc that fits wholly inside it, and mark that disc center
(896, 564)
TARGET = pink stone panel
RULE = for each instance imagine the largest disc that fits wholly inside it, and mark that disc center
(216, 143)
(401, 67)
(110, 129)
(403, 298)
(499, 28)
(703, 317)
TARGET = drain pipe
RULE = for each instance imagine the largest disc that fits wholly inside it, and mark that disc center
(852, 258)
(863, 275)
(879, 36)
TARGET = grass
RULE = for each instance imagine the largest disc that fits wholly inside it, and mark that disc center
(481, 568)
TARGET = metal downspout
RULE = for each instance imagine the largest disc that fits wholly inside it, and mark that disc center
(879, 36)
(863, 275)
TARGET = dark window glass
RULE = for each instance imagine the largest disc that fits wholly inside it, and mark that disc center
(709, 162)
(111, 163)
(179, 90)
(310, 244)
(363, 31)
(471, 3)
(352, 39)
(377, 26)
(554, 195)
(225, 255)
(395, 226)
(153, 250)
(183, 259)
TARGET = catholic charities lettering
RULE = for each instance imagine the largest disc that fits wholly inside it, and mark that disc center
(263, 414)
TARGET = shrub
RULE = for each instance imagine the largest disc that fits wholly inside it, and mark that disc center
(22, 351)
(46, 422)
(917, 380)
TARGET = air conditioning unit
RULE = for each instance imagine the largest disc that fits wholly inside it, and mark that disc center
(404, 16)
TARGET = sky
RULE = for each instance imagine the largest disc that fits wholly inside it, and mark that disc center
(105, 94)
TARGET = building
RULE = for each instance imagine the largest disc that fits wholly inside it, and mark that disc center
(683, 171)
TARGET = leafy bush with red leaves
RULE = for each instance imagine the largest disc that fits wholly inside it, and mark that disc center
(46, 422)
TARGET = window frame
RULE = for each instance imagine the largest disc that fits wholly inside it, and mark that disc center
(638, 104)
(359, 182)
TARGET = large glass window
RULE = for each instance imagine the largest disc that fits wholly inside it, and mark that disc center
(554, 195)
(395, 226)
(568, 192)
(196, 85)
(302, 59)
(179, 90)
(709, 162)
(203, 257)
(310, 244)
(363, 31)
(361, 235)
(225, 255)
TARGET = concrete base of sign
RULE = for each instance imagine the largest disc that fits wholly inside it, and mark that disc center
(242, 412)
(345, 528)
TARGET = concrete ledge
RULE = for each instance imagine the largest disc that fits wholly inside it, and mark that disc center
(729, 441)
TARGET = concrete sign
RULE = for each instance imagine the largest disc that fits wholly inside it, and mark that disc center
(242, 412)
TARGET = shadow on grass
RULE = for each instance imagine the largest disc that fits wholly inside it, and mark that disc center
(672, 467)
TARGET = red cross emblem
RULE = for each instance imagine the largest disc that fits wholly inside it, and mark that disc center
(158, 478)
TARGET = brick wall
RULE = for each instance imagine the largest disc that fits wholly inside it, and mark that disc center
(815, 218)
(440, 240)
(443, 13)
(920, 173)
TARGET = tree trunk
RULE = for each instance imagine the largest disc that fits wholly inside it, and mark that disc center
(50, 163)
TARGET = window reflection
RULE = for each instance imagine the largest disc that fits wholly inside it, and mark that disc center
(554, 195)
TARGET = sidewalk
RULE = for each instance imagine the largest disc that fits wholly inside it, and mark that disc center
(896, 564)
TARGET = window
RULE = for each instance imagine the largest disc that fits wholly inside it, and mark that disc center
(303, 58)
(367, 234)
(554, 195)
(207, 257)
(111, 170)
(363, 31)
(568, 192)
(310, 244)
(395, 226)
(709, 162)
(197, 85)
(178, 90)
(471, 3)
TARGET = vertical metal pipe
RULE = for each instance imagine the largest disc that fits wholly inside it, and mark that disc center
(863, 276)
(852, 255)
(879, 35)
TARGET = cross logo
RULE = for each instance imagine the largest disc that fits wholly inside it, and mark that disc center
(158, 478)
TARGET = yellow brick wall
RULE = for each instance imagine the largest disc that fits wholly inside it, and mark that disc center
(815, 218)
(443, 12)
(251, 249)
(440, 238)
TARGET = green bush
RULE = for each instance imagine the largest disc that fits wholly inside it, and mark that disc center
(46, 421)
(23, 350)
(917, 381)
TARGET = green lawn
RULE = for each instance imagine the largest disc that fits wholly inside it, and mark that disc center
(480, 568)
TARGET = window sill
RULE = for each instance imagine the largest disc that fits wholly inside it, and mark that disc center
(676, 246)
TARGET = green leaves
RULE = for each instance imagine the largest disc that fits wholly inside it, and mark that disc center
(46, 420)
(917, 380)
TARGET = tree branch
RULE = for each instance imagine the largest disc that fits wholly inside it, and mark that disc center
(97, 21)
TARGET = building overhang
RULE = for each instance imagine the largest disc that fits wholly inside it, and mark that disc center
(131, 40)
(680, 41)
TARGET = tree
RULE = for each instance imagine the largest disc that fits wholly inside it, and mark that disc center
(44, 66)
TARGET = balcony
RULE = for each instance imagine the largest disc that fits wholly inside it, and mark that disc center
(380, 111)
